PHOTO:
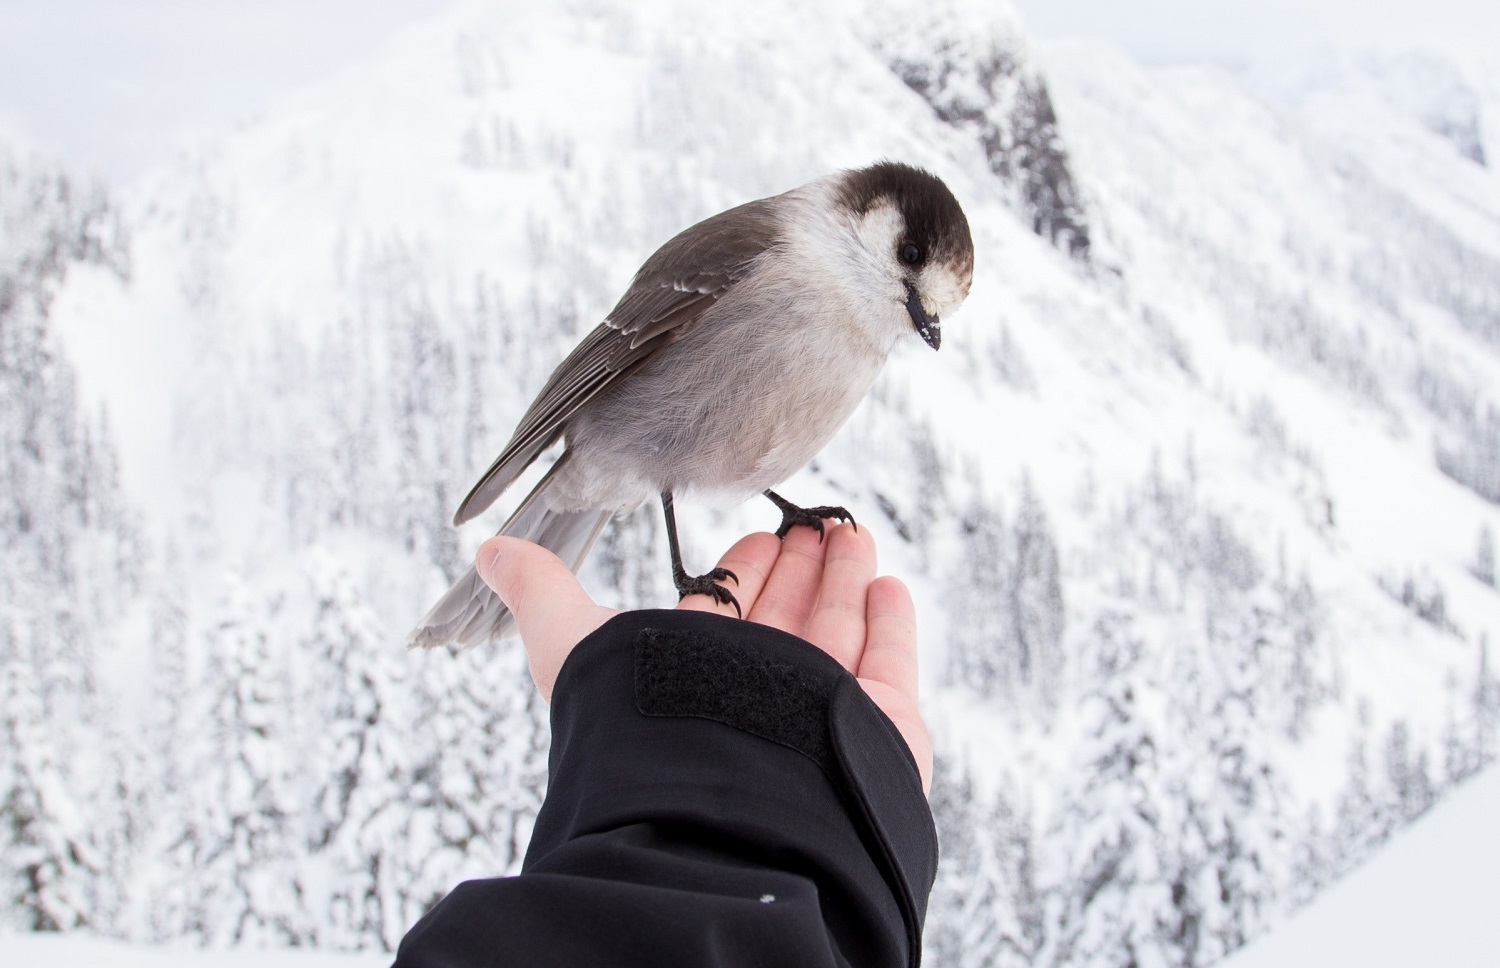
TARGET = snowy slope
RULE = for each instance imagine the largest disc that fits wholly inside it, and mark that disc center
(1191, 500)
(1283, 266)
(1427, 899)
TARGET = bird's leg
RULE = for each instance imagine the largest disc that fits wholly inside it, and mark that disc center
(702, 584)
(792, 515)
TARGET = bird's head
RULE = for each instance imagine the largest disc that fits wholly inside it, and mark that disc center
(915, 240)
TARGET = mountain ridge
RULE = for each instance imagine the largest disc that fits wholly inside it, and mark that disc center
(1133, 493)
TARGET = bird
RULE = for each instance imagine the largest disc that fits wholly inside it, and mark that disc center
(739, 348)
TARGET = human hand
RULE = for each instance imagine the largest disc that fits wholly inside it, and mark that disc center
(823, 591)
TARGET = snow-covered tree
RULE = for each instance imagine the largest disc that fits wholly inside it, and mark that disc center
(1474, 458)
(422, 375)
(47, 861)
(1484, 557)
(1109, 895)
(986, 907)
(1408, 774)
(241, 830)
(1006, 612)
(363, 762)
(1225, 796)
(1310, 865)
(487, 779)
(1295, 631)
(1363, 818)
(977, 655)
(1034, 600)
(629, 556)
(69, 567)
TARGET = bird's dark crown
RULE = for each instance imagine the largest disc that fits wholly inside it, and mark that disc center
(934, 219)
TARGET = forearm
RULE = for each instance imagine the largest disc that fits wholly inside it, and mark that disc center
(721, 794)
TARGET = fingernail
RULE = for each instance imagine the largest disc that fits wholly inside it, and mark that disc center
(484, 562)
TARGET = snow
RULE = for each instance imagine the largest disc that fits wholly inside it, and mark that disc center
(1428, 898)
(1209, 446)
(78, 950)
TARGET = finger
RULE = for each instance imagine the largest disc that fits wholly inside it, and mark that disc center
(552, 610)
(837, 624)
(890, 654)
(751, 559)
(791, 589)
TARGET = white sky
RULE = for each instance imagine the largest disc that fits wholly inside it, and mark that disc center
(113, 87)
(1237, 31)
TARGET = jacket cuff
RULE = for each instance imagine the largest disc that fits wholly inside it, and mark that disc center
(696, 719)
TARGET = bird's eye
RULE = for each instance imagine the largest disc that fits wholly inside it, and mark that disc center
(911, 253)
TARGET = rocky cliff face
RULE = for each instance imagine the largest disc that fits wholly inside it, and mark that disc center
(975, 68)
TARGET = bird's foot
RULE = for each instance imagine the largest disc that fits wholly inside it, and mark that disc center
(792, 515)
(709, 585)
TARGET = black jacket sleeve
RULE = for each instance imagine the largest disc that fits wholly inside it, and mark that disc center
(720, 794)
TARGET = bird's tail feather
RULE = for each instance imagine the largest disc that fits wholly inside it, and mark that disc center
(469, 613)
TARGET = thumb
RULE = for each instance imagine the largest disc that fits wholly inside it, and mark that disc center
(552, 610)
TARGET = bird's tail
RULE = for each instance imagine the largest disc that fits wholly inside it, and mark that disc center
(469, 613)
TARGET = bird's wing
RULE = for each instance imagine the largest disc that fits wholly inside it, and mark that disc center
(665, 301)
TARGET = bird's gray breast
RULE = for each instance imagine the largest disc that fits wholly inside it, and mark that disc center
(738, 404)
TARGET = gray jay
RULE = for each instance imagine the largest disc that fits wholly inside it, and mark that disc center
(740, 348)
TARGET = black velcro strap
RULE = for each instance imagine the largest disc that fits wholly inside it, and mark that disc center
(694, 673)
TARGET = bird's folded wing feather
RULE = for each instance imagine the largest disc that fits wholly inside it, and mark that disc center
(665, 301)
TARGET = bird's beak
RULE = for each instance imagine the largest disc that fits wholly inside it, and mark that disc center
(927, 326)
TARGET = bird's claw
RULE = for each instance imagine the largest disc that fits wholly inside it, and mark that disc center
(709, 585)
(813, 518)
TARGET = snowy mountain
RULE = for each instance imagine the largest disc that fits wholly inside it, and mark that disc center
(1198, 500)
